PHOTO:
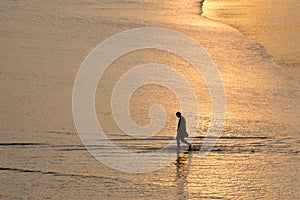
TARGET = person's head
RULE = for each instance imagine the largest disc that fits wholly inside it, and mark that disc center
(178, 114)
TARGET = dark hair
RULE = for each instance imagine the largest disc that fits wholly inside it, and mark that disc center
(178, 114)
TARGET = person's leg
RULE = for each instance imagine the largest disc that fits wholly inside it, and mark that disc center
(178, 143)
(184, 141)
(178, 146)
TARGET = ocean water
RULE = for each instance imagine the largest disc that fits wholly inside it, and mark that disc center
(43, 45)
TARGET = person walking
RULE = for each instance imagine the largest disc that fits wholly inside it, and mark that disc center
(181, 131)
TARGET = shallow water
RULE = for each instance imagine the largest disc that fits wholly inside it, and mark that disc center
(42, 156)
(247, 167)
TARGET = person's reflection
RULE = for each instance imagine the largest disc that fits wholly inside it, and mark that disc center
(182, 165)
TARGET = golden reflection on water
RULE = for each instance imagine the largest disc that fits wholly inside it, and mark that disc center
(238, 168)
(215, 177)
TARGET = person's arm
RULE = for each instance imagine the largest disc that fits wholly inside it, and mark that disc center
(178, 124)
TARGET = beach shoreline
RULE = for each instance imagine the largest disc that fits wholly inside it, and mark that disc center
(270, 23)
